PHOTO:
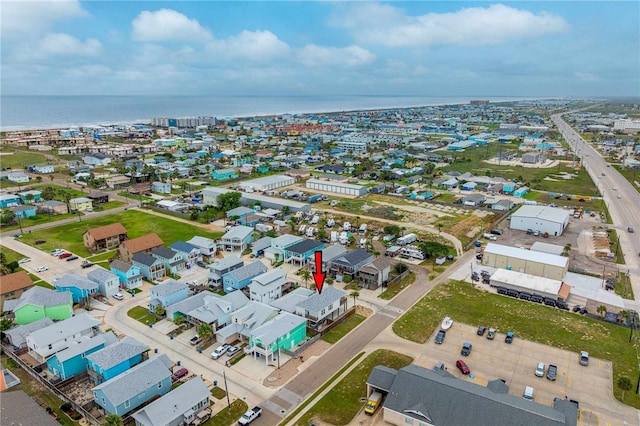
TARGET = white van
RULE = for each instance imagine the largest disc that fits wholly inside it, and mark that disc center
(528, 393)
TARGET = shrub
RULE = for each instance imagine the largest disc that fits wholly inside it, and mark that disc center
(66, 406)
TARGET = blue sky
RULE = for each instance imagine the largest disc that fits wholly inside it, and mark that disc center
(422, 48)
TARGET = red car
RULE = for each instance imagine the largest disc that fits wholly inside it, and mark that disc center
(179, 374)
(64, 255)
(462, 366)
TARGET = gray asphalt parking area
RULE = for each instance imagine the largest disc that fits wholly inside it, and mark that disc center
(516, 362)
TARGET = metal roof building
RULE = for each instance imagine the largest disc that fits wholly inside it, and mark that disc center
(336, 187)
(210, 196)
(528, 261)
(267, 183)
(552, 220)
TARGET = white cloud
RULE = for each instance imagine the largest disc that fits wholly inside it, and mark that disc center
(313, 55)
(65, 45)
(389, 26)
(253, 45)
(586, 76)
(167, 25)
(29, 18)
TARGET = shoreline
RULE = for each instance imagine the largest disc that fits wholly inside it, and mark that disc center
(305, 111)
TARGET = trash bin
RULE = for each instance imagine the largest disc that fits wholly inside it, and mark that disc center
(178, 363)
(215, 383)
(199, 350)
(155, 351)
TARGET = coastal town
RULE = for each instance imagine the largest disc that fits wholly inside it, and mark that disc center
(326, 269)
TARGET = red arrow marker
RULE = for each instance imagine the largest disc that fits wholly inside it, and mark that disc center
(318, 275)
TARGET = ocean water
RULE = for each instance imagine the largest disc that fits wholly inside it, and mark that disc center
(45, 112)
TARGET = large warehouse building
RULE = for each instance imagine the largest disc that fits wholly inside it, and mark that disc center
(528, 261)
(336, 187)
(540, 218)
(266, 183)
(210, 197)
(531, 284)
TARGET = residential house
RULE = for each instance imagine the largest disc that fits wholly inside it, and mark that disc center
(222, 267)
(239, 213)
(301, 252)
(238, 238)
(173, 261)
(71, 361)
(79, 287)
(240, 278)
(23, 212)
(421, 396)
(161, 187)
(12, 286)
(30, 197)
(18, 177)
(53, 207)
(81, 204)
(259, 246)
(322, 307)
(39, 302)
(42, 169)
(279, 245)
(18, 408)
(150, 267)
(502, 205)
(375, 274)
(129, 390)
(143, 244)
(98, 197)
(181, 406)
(108, 283)
(284, 332)
(129, 275)
(47, 341)
(268, 286)
(207, 247)
(17, 336)
(7, 200)
(115, 359)
(331, 252)
(215, 310)
(189, 252)
(244, 320)
(224, 174)
(187, 305)
(167, 293)
(97, 159)
(350, 263)
(474, 200)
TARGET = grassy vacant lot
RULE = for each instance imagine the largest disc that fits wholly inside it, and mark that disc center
(142, 314)
(19, 160)
(342, 403)
(228, 416)
(396, 288)
(343, 329)
(137, 223)
(529, 321)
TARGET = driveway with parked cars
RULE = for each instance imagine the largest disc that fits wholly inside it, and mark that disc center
(516, 363)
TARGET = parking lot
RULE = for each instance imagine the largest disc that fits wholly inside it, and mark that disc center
(516, 363)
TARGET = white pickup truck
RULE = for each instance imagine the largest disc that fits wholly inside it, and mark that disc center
(250, 416)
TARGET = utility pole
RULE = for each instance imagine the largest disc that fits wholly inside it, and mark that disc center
(226, 389)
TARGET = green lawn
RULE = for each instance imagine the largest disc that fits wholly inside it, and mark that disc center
(396, 288)
(343, 328)
(103, 257)
(137, 223)
(529, 321)
(228, 416)
(342, 403)
(142, 314)
(19, 160)
(38, 219)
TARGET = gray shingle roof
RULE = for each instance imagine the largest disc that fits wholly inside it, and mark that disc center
(270, 276)
(135, 380)
(424, 394)
(382, 377)
(77, 281)
(240, 232)
(354, 257)
(167, 287)
(63, 329)
(85, 345)
(183, 247)
(199, 241)
(120, 265)
(332, 251)
(163, 252)
(144, 259)
(277, 327)
(117, 353)
(227, 262)
(40, 296)
(18, 335)
(100, 275)
(261, 244)
(318, 301)
(172, 406)
(18, 408)
(248, 271)
(304, 246)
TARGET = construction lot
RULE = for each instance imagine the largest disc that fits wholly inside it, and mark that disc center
(515, 363)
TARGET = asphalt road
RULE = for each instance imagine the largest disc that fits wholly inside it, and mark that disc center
(624, 210)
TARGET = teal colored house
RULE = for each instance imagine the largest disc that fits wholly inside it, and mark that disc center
(23, 212)
(128, 274)
(7, 200)
(150, 267)
(283, 332)
(134, 387)
(263, 168)
(300, 253)
(520, 192)
(167, 293)
(30, 197)
(508, 188)
(224, 174)
(72, 361)
(80, 287)
(241, 277)
(172, 260)
(115, 359)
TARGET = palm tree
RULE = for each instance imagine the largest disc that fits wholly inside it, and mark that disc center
(205, 331)
(355, 295)
(306, 276)
(601, 310)
(624, 383)
(113, 420)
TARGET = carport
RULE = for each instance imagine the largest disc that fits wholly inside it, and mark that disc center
(532, 284)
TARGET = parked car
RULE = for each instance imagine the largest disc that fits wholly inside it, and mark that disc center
(38, 242)
(196, 282)
(462, 366)
(70, 258)
(179, 374)
(540, 369)
(86, 264)
(201, 264)
(57, 252)
(491, 334)
(584, 358)
(220, 350)
(118, 296)
(64, 255)
(552, 372)
(466, 349)
(24, 260)
(233, 350)
(41, 268)
(509, 337)
(528, 393)
(481, 330)
(440, 337)
(195, 340)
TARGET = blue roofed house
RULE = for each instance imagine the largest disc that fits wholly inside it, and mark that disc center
(241, 277)
(238, 238)
(182, 406)
(129, 275)
(150, 267)
(80, 287)
(284, 332)
(172, 260)
(301, 252)
(189, 252)
(72, 361)
(321, 307)
(129, 390)
(224, 174)
(107, 363)
(167, 293)
(108, 283)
